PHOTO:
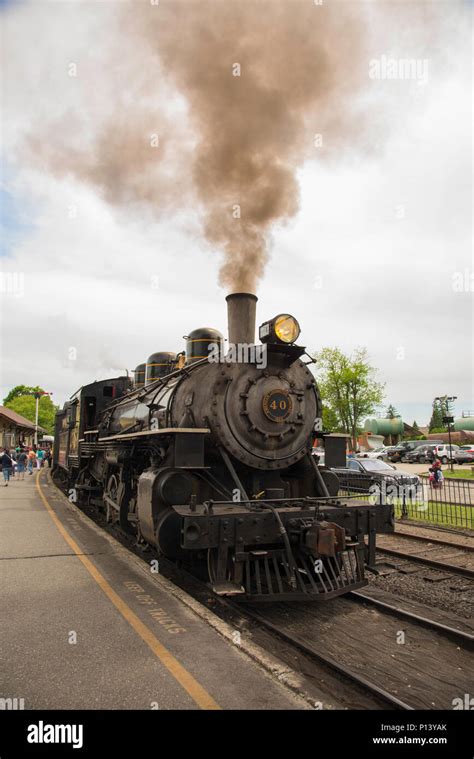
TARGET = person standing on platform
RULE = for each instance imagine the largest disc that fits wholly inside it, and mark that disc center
(31, 461)
(21, 460)
(7, 464)
(39, 458)
(12, 455)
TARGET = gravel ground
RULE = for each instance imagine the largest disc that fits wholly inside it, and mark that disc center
(427, 586)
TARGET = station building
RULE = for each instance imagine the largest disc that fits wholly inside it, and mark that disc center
(16, 429)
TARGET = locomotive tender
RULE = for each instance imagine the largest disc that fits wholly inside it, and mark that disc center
(208, 455)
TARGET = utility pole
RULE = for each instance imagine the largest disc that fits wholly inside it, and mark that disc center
(448, 420)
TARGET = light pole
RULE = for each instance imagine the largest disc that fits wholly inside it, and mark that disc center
(448, 420)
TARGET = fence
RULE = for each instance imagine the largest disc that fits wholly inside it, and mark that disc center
(451, 505)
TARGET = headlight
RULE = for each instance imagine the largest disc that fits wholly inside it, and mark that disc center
(282, 329)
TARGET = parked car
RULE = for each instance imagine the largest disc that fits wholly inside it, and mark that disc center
(382, 453)
(421, 455)
(400, 451)
(359, 475)
(465, 455)
(445, 452)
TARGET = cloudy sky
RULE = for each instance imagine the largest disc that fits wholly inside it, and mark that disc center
(379, 253)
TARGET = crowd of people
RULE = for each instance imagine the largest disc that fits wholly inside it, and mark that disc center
(23, 459)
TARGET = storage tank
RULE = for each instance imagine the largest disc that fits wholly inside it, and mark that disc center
(464, 423)
(384, 427)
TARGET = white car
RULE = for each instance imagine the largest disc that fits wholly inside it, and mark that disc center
(377, 453)
(444, 452)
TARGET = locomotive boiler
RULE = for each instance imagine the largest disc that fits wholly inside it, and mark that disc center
(208, 456)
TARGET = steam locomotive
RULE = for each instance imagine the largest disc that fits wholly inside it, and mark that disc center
(208, 454)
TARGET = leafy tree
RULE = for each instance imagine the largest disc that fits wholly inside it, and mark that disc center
(331, 421)
(20, 390)
(21, 399)
(436, 421)
(392, 412)
(348, 387)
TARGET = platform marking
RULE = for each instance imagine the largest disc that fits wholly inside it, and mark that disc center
(199, 695)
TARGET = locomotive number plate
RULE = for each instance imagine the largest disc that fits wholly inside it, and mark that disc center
(277, 405)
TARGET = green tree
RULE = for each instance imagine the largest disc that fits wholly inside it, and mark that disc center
(20, 390)
(22, 400)
(331, 421)
(392, 412)
(348, 387)
(436, 421)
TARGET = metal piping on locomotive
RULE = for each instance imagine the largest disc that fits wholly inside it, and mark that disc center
(241, 312)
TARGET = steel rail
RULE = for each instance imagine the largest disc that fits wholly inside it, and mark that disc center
(461, 637)
(328, 661)
(441, 565)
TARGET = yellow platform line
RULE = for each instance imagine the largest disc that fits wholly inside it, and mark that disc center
(199, 695)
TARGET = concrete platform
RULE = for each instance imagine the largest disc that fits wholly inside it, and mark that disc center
(84, 625)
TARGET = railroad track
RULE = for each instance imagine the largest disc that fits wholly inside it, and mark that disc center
(314, 662)
(435, 553)
(393, 678)
(357, 687)
(361, 689)
(461, 637)
(469, 548)
(379, 693)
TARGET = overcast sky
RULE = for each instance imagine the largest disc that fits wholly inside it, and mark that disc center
(379, 254)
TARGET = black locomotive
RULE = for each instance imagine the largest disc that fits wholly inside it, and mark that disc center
(209, 454)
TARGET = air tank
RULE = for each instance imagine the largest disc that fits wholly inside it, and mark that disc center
(464, 423)
(139, 375)
(384, 427)
(159, 365)
(204, 342)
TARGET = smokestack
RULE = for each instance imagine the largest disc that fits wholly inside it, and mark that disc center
(241, 309)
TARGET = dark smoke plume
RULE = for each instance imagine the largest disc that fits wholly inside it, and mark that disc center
(259, 79)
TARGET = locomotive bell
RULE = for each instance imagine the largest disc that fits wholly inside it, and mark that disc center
(203, 342)
(159, 365)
